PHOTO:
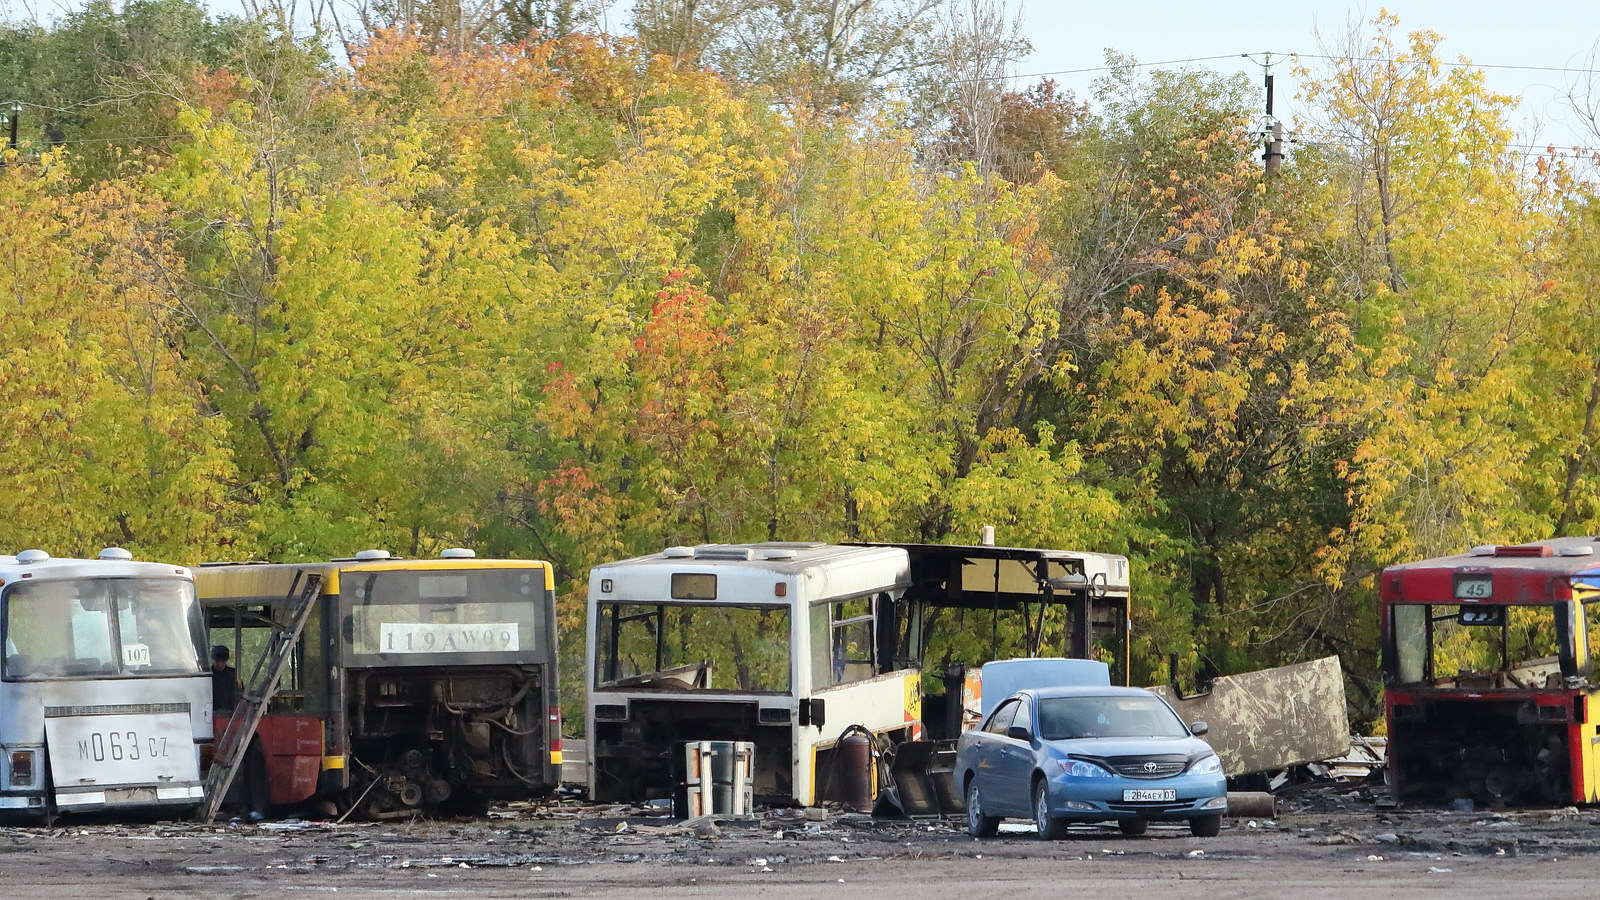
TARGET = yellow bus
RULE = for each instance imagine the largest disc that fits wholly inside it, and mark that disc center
(417, 683)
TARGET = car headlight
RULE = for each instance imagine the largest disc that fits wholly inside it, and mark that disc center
(1211, 765)
(1078, 768)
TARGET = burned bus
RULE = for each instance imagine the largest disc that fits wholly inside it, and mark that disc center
(104, 699)
(416, 683)
(1489, 682)
(791, 646)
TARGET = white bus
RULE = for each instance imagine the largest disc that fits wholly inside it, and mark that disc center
(790, 645)
(105, 698)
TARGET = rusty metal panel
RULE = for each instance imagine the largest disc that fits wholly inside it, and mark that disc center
(1274, 718)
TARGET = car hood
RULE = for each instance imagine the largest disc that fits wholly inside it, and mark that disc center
(1129, 746)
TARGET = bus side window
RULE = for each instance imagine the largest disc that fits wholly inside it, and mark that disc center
(852, 640)
(821, 647)
(842, 648)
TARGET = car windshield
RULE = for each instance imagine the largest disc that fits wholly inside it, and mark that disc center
(77, 627)
(1064, 718)
(692, 646)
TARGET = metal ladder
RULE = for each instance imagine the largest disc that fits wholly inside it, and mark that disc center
(246, 717)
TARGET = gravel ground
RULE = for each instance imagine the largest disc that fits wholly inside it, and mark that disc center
(1331, 845)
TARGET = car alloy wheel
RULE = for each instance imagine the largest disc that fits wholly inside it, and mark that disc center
(978, 824)
(1050, 827)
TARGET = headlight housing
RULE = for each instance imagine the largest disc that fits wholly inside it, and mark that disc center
(1078, 768)
(1210, 765)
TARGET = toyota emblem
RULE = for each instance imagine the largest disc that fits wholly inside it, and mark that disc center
(1150, 767)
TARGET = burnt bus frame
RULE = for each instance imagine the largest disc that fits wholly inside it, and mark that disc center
(337, 628)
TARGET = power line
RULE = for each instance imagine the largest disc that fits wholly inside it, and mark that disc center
(1451, 63)
(647, 106)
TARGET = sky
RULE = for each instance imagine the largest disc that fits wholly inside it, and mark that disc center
(1550, 34)
(1553, 34)
(1074, 34)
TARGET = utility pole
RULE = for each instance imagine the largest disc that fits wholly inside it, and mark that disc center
(1272, 134)
(16, 115)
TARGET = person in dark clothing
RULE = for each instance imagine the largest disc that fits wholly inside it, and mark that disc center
(252, 779)
(224, 682)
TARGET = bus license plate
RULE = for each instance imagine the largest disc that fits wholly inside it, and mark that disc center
(1149, 796)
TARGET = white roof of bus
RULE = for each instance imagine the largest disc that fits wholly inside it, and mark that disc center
(70, 567)
(820, 570)
(781, 557)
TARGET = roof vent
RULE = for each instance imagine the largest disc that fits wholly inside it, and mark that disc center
(777, 554)
(723, 551)
(678, 552)
(1482, 550)
(457, 553)
(1524, 550)
(365, 555)
(32, 556)
(1578, 550)
(115, 554)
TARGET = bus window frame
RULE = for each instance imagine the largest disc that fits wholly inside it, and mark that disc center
(824, 658)
(301, 691)
(1562, 612)
(607, 631)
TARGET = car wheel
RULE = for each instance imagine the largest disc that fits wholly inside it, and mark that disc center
(978, 824)
(1050, 827)
(1133, 827)
(1206, 826)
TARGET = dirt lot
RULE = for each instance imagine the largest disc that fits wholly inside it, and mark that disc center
(1331, 846)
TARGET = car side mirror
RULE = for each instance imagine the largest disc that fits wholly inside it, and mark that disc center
(1198, 728)
(1017, 732)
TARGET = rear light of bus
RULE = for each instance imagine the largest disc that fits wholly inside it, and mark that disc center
(21, 767)
(555, 730)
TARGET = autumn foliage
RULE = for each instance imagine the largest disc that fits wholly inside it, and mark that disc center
(560, 298)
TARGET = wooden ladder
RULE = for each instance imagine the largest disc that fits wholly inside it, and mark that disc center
(235, 739)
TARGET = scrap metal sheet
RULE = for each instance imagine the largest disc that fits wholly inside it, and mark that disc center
(1272, 719)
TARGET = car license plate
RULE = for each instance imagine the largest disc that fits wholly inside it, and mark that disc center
(1149, 796)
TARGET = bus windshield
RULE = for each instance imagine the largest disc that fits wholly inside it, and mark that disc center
(689, 646)
(73, 628)
(445, 612)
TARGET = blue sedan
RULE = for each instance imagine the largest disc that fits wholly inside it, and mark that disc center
(1089, 754)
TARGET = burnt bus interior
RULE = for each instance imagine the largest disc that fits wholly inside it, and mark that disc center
(1483, 697)
(1018, 601)
(422, 730)
(687, 653)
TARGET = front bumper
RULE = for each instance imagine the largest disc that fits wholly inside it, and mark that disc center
(1098, 799)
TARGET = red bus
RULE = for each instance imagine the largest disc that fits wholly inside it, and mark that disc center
(1489, 684)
